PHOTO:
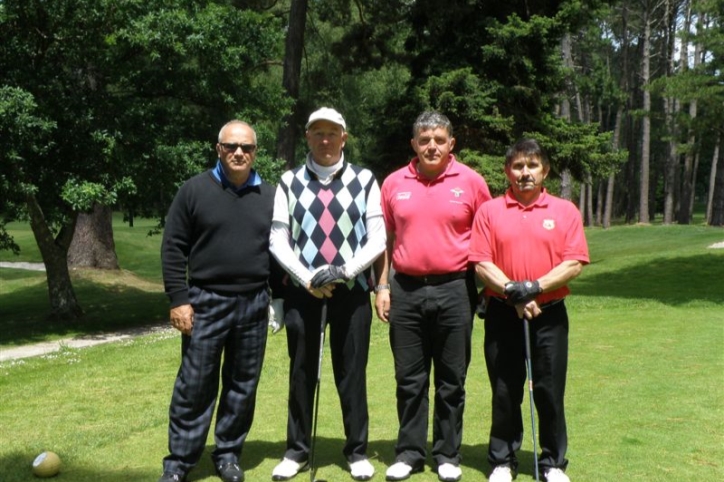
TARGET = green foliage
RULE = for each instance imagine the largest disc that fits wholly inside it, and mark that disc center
(580, 148)
(490, 167)
(82, 195)
(470, 103)
(126, 84)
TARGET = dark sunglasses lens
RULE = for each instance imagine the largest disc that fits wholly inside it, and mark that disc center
(245, 148)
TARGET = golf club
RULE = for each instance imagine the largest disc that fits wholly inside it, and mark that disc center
(529, 370)
(312, 461)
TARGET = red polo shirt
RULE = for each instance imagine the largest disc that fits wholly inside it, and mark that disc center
(432, 218)
(527, 242)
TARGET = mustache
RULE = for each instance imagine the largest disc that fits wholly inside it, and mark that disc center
(526, 180)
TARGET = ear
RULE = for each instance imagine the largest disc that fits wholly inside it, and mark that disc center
(218, 150)
(452, 144)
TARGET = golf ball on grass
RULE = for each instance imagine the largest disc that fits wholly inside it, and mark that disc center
(46, 465)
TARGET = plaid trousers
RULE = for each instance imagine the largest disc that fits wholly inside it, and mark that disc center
(235, 325)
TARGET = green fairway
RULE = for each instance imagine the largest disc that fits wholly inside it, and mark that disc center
(645, 398)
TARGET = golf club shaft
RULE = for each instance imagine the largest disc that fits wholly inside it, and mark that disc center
(312, 461)
(529, 369)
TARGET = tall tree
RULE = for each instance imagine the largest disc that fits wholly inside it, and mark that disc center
(646, 115)
(131, 87)
(293, 48)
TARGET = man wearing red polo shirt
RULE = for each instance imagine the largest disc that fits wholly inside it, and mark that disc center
(429, 302)
(527, 245)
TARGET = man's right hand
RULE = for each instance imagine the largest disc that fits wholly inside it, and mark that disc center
(382, 305)
(182, 318)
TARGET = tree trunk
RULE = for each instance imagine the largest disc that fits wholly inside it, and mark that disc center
(599, 203)
(688, 178)
(646, 128)
(717, 204)
(54, 251)
(588, 186)
(609, 200)
(712, 180)
(93, 245)
(294, 46)
(565, 113)
(616, 144)
(671, 108)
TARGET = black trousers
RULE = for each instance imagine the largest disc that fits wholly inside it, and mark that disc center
(505, 359)
(430, 326)
(235, 325)
(349, 317)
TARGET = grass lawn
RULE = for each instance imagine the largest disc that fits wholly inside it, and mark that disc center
(645, 397)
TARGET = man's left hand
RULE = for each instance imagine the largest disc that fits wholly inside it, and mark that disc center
(329, 274)
(518, 292)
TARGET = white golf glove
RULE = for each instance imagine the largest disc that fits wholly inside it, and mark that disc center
(276, 314)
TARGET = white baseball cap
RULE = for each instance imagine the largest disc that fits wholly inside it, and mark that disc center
(328, 114)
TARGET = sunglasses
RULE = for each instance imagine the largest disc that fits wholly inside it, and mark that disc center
(245, 148)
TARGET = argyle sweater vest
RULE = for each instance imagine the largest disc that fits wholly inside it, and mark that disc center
(327, 223)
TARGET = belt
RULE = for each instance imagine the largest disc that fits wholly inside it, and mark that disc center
(542, 307)
(434, 279)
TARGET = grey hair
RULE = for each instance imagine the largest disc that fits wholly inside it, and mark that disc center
(431, 120)
(240, 122)
(527, 148)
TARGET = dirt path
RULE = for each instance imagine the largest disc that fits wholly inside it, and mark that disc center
(81, 341)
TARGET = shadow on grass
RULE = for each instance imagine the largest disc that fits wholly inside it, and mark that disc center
(107, 307)
(17, 467)
(329, 453)
(673, 281)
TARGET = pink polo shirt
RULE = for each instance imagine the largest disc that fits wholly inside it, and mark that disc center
(432, 219)
(527, 242)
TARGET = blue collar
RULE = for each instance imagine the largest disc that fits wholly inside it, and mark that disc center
(219, 174)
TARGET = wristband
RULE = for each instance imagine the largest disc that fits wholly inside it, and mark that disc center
(379, 288)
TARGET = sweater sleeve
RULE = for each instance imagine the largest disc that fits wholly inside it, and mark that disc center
(175, 250)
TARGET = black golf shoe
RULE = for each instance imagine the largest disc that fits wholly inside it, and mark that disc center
(172, 477)
(230, 472)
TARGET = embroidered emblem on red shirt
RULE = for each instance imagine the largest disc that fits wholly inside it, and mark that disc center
(549, 224)
(457, 191)
(404, 195)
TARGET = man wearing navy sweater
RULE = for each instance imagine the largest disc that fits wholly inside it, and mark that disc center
(216, 270)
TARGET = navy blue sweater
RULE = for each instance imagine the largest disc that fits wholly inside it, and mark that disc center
(216, 238)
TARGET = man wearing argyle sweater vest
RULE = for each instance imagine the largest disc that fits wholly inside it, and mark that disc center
(327, 230)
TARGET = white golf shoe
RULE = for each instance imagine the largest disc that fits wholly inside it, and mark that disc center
(448, 472)
(287, 468)
(361, 470)
(556, 475)
(399, 471)
(501, 473)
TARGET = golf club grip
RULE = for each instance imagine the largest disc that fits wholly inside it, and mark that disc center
(323, 323)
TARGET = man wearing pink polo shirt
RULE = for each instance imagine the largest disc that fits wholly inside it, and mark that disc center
(429, 301)
(527, 245)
